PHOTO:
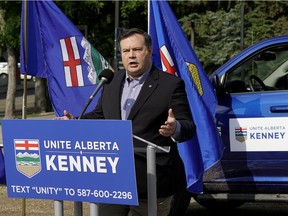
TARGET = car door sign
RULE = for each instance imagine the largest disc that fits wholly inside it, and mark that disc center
(258, 134)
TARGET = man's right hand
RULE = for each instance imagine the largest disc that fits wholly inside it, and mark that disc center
(66, 116)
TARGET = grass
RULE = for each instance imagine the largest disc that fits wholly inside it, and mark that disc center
(34, 207)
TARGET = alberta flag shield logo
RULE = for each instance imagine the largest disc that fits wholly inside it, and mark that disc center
(27, 156)
(241, 134)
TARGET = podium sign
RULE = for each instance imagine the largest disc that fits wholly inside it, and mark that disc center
(77, 160)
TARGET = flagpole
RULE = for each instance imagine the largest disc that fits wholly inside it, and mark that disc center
(148, 17)
(24, 99)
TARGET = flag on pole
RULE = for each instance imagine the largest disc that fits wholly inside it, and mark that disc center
(58, 51)
(2, 168)
(173, 53)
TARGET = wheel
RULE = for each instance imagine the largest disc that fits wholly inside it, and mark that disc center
(258, 80)
(3, 76)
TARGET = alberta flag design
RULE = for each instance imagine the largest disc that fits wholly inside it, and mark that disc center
(173, 54)
(58, 51)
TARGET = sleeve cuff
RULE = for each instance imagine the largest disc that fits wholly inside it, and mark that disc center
(177, 134)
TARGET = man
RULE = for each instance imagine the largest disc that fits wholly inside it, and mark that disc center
(157, 105)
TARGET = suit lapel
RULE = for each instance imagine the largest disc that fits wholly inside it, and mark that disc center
(115, 97)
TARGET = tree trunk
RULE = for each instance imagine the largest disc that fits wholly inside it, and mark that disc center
(11, 89)
(40, 95)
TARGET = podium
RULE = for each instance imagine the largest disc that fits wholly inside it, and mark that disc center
(44, 155)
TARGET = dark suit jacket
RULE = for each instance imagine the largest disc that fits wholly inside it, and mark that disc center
(160, 92)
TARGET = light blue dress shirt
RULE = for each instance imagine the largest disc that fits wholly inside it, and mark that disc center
(130, 92)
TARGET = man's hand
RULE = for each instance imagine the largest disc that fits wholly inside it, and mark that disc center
(169, 126)
(66, 116)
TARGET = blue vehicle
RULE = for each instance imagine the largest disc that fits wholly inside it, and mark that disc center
(252, 118)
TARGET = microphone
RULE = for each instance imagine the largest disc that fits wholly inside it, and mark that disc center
(105, 77)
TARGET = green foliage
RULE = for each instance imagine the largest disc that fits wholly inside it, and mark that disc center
(216, 24)
(130, 7)
(10, 24)
(134, 14)
(211, 30)
(218, 31)
(98, 16)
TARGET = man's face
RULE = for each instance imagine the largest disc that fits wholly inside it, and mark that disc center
(136, 57)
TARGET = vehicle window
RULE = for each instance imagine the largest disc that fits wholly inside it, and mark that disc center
(264, 71)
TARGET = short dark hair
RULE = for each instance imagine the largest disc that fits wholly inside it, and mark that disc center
(128, 32)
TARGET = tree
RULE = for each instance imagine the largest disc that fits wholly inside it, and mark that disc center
(9, 38)
(216, 25)
(98, 16)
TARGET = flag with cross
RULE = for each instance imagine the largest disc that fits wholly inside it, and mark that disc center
(52, 47)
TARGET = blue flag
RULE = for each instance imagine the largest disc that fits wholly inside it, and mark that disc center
(53, 48)
(2, 168)
(173, 53)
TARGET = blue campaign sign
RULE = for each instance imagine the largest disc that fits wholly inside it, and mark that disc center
(78, 160)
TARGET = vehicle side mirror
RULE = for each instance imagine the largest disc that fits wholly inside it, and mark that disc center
(216, 84)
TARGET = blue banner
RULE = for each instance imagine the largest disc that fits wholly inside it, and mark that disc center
(173, 54)
(57, 50)
(50, 159)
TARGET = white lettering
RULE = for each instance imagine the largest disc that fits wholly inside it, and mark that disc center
(57, 144)
(113, 163)
(46, 190)
(62, 163)
(50, 162)
(20, 189)
(75, 164)
(95, 145)
(67, 163)
(101, 165)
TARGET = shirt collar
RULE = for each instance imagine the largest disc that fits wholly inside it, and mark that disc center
(140, 79)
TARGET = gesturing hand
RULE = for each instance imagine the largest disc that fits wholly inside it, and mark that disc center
(66, 116)
(169, 127)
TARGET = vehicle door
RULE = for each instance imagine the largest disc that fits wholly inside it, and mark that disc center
(252, 116)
